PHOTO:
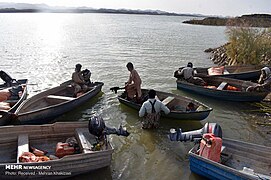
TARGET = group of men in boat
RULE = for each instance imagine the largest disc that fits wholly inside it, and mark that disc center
(151, 108)
(264, 82)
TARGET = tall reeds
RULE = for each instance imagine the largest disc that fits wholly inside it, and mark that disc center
(248, 45)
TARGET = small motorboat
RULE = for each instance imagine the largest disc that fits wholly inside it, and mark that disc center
(221, 158)
(176, 103)
(35, 152)
(223, 88)
(242, 72)
(47, 105)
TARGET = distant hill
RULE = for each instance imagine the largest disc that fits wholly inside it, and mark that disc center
(22, 6)
(253, 20)
(38, 8)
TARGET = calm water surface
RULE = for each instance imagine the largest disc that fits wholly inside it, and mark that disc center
(45, 47)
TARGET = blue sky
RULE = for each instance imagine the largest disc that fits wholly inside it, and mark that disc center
(206, 7)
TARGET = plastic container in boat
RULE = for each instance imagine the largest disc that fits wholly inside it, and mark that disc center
(63, 149)
(210, 147)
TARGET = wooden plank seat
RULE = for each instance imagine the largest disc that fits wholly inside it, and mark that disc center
(61, 97)
(23, 145)
(222, 86)
(167, 100)
(85, 139)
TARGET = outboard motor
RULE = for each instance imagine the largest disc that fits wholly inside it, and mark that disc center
(86, 75)
(178, 135)
(5, 77)
(98, 128)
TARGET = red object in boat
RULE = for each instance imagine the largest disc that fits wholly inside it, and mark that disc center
(210, 147)
(63, 149)
(28, 157)
(232, 88)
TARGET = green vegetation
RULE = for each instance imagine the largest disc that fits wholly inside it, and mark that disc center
(248, 45)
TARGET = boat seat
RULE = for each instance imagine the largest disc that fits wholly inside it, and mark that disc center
(23, 145)
(167, 100)
(85, 139)
(222, 86)
(61, 97)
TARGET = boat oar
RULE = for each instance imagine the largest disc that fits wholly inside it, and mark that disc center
(115, 89)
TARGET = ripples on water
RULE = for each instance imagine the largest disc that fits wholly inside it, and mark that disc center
(45, 47)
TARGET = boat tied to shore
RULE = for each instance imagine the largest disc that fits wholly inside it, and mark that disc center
(242, 72)
(224, 88)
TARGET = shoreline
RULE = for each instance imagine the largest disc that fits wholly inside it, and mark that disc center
(252, 20)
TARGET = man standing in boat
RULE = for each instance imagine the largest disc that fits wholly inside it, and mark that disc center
(150, 111)
(133, 85)
(78, 80)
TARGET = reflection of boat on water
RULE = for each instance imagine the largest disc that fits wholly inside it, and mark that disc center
(223, 88)
(176, 103)
(18, 93)
(14, 140)
(47, 105)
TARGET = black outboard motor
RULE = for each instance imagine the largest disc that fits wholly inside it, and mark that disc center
(196, 134)
(98, 128)
(5, 77)
(86, 75)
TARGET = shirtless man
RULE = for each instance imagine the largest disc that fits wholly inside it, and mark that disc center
(78, 80)
(133, 86)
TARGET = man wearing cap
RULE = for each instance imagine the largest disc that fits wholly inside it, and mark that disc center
(78, 80)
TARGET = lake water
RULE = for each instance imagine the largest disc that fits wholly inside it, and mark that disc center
(45, 48)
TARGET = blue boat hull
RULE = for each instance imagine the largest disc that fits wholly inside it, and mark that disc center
(222, 94)
(234, 158)
(210, 171)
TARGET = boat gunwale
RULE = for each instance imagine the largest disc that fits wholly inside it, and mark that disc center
(59, 104)
(56, 125)
(179, 97)
(216, 90)
(224, 167)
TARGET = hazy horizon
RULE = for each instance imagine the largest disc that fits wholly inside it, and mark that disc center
(204, 7)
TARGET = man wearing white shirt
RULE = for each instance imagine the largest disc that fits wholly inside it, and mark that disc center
(150, 111)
